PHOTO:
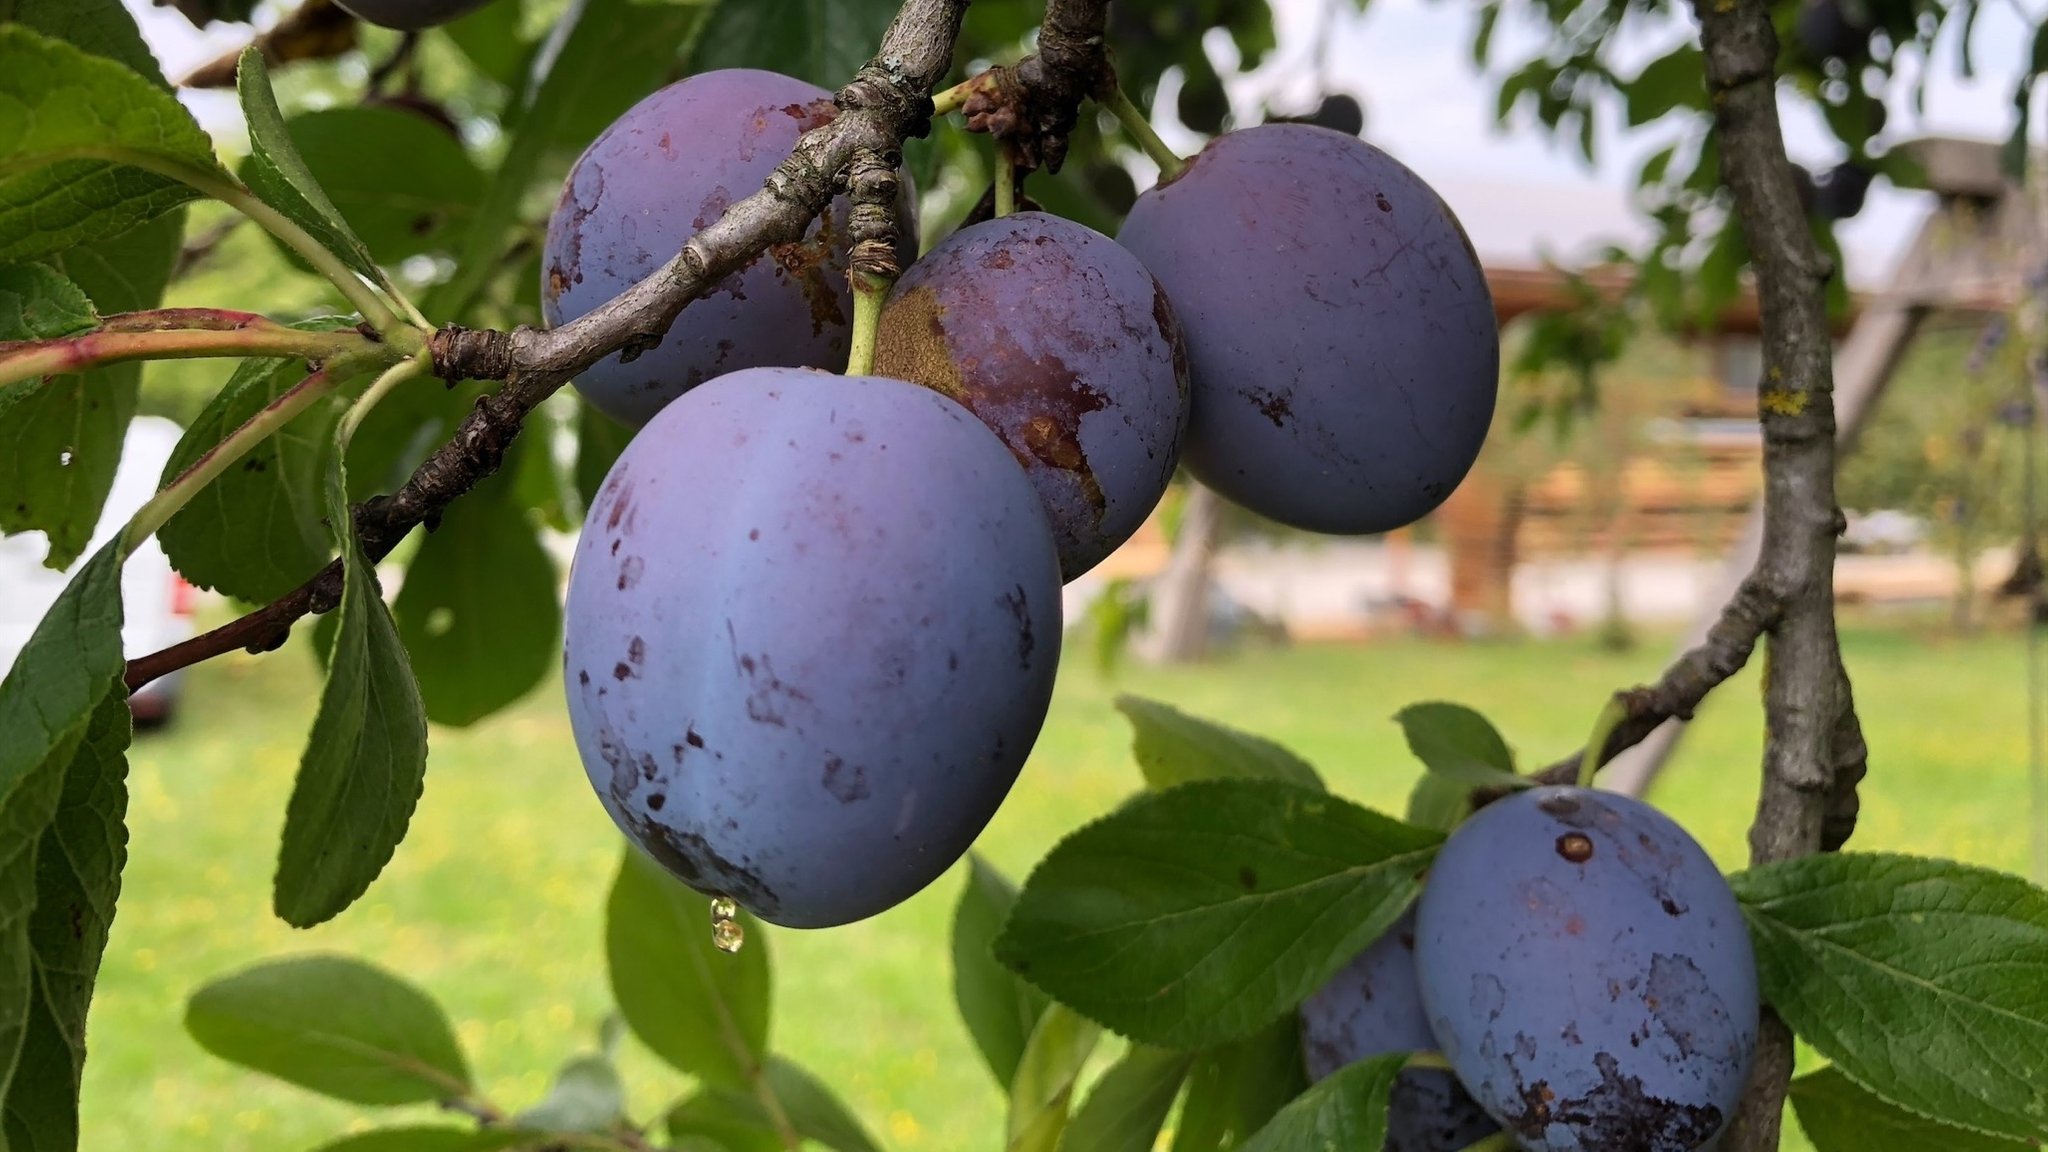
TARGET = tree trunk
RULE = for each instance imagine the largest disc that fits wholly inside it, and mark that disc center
(1178, 625)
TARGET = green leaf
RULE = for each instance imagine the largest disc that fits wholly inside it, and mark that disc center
(703, 1011)
(599, 440)
(1128, 1106)
(822, 41)
(333, 1025)
(999, 1009)
(402, 184)
(1348, 1109)
(1920, 979)
(1439, 802)
(259, 530)
(1044, 1087)
(1234, 1089)
(1838, 1115)
(736, 1120)
(101, 27)
(586, 1096)
(1198, 915)
(50, 709)
(422, 1138)
(70, 123)
(38, 303)
(1675, 80)
(490, 38)
(612, 56)
(77, 882)
(277, 174)
(1173, 747)
(366, 761)
(1459, 744)
(60, 448)
(478, 609)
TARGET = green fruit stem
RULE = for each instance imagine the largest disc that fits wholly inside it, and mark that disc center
(1430, 1060)
(1610, 718)
(1006, 179)
(953, 99)
(870, 292)
(1498, 1142)
(1140, 128)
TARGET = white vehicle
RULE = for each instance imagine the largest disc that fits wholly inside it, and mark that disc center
(156, 604)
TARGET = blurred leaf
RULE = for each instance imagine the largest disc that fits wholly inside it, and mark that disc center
(1677, 79)
(1482, 33)
(1233, 1090)
(478, 610)
(1858, 950)
(1127, 1107)
(998, 1008)
(366, 759)
(63, 101)
(822, 41)
(259, 530)
(1173, 747)
(605, 55)
(399, 180)
(1044, 1087)
(585, 1097)
(426, 1139)
(599, 440)
(1459, 744)
(701, 1010)
(278, 174)
(1346, 1110)
(1198, 915)
(490, 38)
(38, 303)
(333, 1025)
(77, 857)
(737, 1121)
(1839, 1115)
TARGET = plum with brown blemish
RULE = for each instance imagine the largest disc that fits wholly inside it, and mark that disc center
(1342, 338)
(1065, 345)
(1374, 1007)
(409, 15)
(661, 173)
(811, 632)
(1586, 970)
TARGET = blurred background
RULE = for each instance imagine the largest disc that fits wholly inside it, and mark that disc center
(1598, 527)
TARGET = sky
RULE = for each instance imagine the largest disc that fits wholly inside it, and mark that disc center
(1519, 195)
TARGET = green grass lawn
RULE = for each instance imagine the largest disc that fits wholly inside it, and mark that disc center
(494, 901)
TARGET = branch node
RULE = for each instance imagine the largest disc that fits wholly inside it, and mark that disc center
(470, 354)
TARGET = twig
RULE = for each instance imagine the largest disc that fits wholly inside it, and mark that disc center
(318, 30)
(886, 102)
(173, 334)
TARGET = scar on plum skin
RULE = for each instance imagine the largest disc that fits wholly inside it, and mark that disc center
(1575, 847)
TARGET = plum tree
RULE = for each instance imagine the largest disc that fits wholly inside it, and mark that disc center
(817, 766)
(667, 168)
(1060, 341)
(1372, 1007)
(1588, 973)
(409, 15)
(1344, 352)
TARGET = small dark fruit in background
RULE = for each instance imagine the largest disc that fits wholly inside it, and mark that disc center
(811, 631)
(1374, 1007)
(1587, 972)
(409, 15)
(1064, 345)
(1340, 333)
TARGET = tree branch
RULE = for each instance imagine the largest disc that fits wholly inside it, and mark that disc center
(887, 101)
(1805, 691)
(173, 334)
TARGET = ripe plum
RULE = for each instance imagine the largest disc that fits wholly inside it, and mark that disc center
(665, 170)
(1341, 336)
(811, 631)
(1587, 973)
(1060, 341)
